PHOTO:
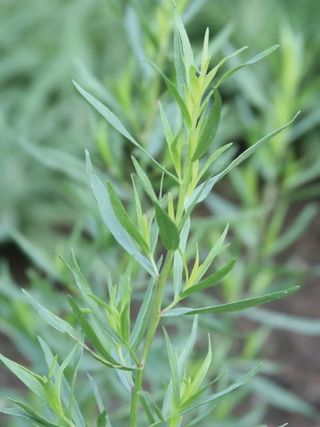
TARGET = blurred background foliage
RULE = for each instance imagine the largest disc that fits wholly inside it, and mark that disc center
(46, 206)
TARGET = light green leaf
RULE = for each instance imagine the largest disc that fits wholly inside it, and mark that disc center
(144, 180)
(210, 281)
(223, 393)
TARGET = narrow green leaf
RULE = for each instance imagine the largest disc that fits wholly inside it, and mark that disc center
(53, 320)
(210, 128)
(118, 125)
(111, 221)
(210, 281)
(148, 188)
(173, 363)
(247, 153)
(33, 415)
(91, 334)
(185, 42)
(233, 306)
(179, 62)
(142, 318)
(223, 393)
(31, 380)
(167, 228)
(251, 61)
(175, 93)
(124, 218)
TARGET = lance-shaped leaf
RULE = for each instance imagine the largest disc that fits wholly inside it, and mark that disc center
(249, 151)
(145, 180)
(210, 128)
(31, 414)
(250, 61)
(233, 306)
(118, 125)
(203, 189)
(91, 334)
(33, 381)
(210, 281)
(175, 93)
(124, 218)
(168, 230)
(173, 363)
(222, 393)
(112, 222)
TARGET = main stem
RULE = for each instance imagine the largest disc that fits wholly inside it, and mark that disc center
(149, 339)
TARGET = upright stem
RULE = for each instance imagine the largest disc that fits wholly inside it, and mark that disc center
(149, 339)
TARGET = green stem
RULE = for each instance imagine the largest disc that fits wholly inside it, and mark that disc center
(149, 339)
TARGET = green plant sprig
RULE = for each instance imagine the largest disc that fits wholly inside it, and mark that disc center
(156, 242)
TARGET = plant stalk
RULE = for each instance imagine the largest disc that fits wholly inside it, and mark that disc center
(149, 339)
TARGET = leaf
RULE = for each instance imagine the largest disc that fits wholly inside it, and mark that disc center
(92, 335)
(194, 387)
(67, 392)
(144, 180)
(111, 221)
(118, 125)
(210, 128)
(185, 42)
(247, 153)
(167, 228)
(173, 362)
(223, 393)
(31, 380)
(53, 320)
(33, 415)
(124, 218)
(233, 306)
(175, 93)
(142, 318)
(210, 281)
(251, 61)
(152, 410)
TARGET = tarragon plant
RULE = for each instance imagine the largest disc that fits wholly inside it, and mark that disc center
(116, 331)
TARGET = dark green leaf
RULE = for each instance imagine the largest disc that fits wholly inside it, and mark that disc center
(210, 128)
(175, 93)
(167, 228)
